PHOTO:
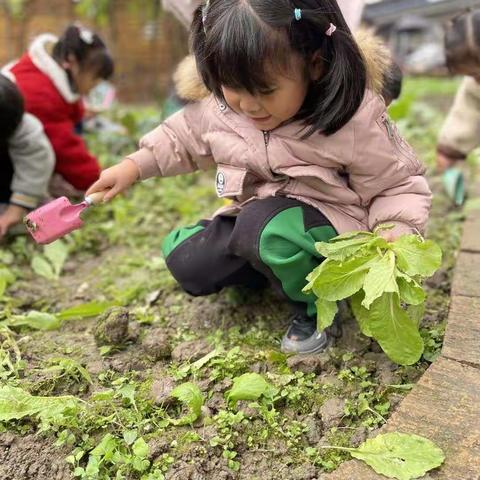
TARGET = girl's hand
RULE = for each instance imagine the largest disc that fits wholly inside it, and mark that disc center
(396, 232)
(117, 178)
(11, 217)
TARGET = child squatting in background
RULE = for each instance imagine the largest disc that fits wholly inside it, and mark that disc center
(52, 77)
(461, 131)
(27, 158)
(301, 145)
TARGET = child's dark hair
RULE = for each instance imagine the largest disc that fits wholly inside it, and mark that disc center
(392, 83)
(462, 41)
(88, 49)
(235, 41)
(11, 107)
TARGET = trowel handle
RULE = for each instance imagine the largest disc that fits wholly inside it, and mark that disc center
(96, 198)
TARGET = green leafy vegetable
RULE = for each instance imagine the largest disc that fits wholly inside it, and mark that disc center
(36, 321)
(50, 264)
(191, 396)
(6, 278)
(16, 403)
(250, 386)
(56, 253)
(86, 310)
(383, 280)
(339, 280)
(416, 257)
(380, 279)
(43, 268)
(326, 313)
(394, 330)
(400, 456)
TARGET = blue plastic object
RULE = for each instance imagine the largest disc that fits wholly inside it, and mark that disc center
(454, 184)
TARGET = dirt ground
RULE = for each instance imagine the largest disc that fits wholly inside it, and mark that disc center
(337, 398)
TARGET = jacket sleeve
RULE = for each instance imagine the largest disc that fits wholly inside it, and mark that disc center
(386, 173)
(73, 160)
(33, 162)
(461, 132)
(177, 146)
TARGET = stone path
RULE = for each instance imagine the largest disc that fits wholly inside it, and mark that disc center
(445, 404)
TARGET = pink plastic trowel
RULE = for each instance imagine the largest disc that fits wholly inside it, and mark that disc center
(58, 218)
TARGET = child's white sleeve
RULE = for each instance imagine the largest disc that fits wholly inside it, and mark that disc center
(461, 130)
(33, 162)
(177, 146)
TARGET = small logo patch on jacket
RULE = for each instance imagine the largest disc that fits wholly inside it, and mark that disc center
(220, 183)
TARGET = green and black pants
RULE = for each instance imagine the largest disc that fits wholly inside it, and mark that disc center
(270, 241)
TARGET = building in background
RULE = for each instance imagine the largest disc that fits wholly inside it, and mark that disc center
(414, 29)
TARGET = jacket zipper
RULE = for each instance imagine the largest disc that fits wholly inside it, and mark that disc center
(389, 128)
(266, 137)
(397, 142)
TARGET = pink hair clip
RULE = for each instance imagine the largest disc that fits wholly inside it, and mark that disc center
(331, 30)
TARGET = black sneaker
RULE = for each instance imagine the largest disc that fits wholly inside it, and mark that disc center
(303, 338)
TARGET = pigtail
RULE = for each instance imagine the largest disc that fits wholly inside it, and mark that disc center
(88, 49)
(332, 100)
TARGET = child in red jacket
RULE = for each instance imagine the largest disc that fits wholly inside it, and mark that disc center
(53, 76)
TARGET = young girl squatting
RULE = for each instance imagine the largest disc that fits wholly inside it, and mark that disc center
(301, 145)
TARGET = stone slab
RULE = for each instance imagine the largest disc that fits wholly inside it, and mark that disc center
(444, 407)
(462, 337)
(466, 280)
(471, 234)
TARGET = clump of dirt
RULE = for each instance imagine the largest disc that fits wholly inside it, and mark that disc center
(157, 345)
(161, 390)
(310, 363)
(332, 412)
(112, 327)
(31, 457)
(191, 351)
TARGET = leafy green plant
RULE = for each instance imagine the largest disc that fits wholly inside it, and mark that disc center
(62, 371)
(131, 455)
(10, 357)
(227, 435)
(85, 310)
(381, 277)
(16, 403)
(50, 264)
(6, 278)
(34, 320)
(398, 455)
(190, 396)
(250, 386)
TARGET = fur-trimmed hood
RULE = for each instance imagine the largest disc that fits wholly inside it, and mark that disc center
(189, 85)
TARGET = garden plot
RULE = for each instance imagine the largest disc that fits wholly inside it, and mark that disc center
(111, 371)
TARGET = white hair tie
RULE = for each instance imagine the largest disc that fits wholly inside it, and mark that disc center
(86, 36)
(331, 30)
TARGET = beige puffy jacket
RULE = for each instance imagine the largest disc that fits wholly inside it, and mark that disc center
(363, 175)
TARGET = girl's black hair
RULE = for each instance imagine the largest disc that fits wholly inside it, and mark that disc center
(88, 49)
(462, 41)
(236, 41)
(11, 107)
